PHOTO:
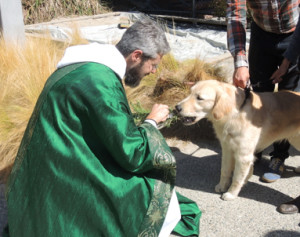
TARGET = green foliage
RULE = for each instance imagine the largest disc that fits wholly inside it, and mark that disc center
(139, 113)
(219, 8)
(170, 121)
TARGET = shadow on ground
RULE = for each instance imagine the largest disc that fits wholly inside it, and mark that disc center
(203, 173)
(283, 233)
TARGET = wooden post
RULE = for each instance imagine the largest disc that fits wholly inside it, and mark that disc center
(11, 21)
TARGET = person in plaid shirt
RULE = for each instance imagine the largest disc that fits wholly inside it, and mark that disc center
(274, 22)
(292, 52)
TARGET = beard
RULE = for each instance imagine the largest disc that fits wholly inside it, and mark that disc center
(134, 75)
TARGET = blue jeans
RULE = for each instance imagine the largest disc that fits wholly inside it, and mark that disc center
(265, 55)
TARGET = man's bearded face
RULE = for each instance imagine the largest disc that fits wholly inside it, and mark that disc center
(135, 74)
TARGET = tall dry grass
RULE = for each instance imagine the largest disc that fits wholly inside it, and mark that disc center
(36, 11)
(23, 72)
(172, 81)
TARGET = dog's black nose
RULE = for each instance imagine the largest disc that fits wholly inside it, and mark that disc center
(178, 108)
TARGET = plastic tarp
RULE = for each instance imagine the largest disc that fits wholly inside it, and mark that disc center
(187, 41)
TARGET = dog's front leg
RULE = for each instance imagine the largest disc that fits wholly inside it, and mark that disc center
(226, 170)
(243, 166)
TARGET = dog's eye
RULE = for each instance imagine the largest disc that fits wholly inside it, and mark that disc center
(199, 98)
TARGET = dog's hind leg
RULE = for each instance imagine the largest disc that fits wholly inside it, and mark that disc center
(249, 174)
(242, 171)
(226, 170)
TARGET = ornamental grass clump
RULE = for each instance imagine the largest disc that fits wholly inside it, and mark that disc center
(23, 72)
(172, 81)
(201, 70)
(36, 11)
(170, 84)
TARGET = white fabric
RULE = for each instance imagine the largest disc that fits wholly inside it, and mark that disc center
(105, 54)
(153, 123)
(172, 218)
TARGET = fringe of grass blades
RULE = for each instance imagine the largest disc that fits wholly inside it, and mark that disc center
(36, 11)
(23, 73)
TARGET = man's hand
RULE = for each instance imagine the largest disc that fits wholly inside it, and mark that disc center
(159, 113)
(277, 75)
(241, 77)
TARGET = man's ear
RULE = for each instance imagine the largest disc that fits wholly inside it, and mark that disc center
(136, 55)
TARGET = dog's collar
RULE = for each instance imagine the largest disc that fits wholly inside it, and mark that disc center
(247, 94)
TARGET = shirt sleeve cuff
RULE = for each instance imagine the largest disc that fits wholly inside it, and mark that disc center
(240, 61)
(152, 122)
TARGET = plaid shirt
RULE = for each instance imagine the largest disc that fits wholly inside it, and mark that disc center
(276, 16)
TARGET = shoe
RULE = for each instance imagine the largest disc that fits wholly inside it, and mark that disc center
(290, 207)
(275, 170)
(297, 170)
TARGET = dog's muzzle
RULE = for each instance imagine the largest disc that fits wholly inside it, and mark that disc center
(188, 120)
(178, 109)
(185, 120)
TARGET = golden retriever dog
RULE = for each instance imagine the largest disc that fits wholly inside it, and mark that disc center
(244, 125)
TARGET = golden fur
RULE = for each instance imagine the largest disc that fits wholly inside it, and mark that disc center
(242, 129)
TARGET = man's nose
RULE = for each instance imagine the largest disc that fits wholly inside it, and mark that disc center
(154, 69)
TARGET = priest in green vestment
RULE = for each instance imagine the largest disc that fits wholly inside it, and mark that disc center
(83, 167)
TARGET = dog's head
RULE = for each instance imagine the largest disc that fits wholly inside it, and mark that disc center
(208, 99)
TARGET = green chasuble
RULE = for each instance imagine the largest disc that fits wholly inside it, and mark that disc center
(85, 169)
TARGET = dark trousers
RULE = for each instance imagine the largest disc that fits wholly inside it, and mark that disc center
(265, 56)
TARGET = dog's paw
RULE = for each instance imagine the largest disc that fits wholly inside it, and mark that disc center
(228, 196)
(219, 188)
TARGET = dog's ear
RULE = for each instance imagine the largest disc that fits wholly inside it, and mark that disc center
(223, 105)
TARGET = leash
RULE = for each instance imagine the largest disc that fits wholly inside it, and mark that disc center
(249, 87)
(292, 71)
(247, 90)
(260, 84)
